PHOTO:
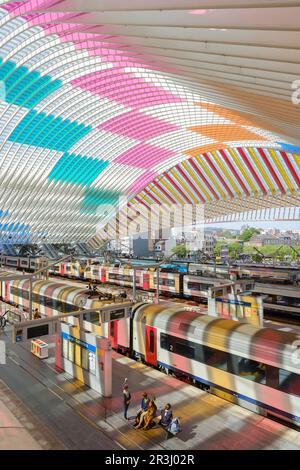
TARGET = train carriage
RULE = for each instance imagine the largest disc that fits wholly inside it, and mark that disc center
(55, 298)
(96, 273)
(169, 283)
(257, 368)
(197, 287)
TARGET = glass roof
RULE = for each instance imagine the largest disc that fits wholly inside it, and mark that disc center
(108, 104)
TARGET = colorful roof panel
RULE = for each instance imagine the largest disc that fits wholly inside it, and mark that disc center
(108, 104)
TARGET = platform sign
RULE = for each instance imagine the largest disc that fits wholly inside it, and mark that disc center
(26, 330)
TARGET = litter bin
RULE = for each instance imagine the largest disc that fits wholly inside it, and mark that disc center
(39, 348)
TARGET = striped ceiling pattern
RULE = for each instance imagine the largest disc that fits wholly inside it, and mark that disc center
(158, 101)
(228, 180)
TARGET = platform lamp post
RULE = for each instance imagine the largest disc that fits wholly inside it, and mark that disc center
(134, 285)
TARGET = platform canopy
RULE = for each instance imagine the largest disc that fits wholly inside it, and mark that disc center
(107, 103)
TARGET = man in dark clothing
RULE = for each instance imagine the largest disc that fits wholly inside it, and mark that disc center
(127, 398)
(166, 416)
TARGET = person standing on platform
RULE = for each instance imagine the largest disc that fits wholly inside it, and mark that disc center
(36, 314)
(127, 399)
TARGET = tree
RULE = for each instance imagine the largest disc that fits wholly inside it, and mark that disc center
(248, 233)
(218, 246)
(180, 251)
(235, 249)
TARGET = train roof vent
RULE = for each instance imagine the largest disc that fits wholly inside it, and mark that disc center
(186, 327)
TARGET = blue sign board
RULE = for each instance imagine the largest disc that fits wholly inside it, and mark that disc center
(81, 343)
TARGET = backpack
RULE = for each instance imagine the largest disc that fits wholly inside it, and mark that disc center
(175, 426)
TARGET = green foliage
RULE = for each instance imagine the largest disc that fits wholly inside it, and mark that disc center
(235, 249)
(277, 252)
(218, 246)
(227, 234)
(180, 251)
(248, 233)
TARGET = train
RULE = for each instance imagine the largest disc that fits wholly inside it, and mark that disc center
(255, 272)
(279, 299)
(256, 368)
(90, 270)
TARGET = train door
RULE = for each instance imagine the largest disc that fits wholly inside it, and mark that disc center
(62, 269)
(103, 274)
(151, 351)
(6, 291)
(146, 281)
(113, 333)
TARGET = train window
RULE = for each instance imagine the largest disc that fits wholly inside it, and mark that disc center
(193, 285)
(163, 341)
(151, 345)
(289, 382)
(165, 282)
(117, 314)
(184, 350)
(215, 358)
(197, 286)
(112, 328)
(120, 277)
(249, 369)
(92, 317)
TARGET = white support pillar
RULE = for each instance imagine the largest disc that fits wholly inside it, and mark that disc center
(157, 284)
(30, 298)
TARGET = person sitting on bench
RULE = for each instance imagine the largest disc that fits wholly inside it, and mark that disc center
(142, 411)
(174, 428)
(150, 415)
(166, 416)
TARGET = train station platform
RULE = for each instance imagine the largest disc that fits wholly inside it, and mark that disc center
(81, 419)
(19, 428)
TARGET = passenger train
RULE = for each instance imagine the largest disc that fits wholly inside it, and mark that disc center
(257, 368)
(89, 269)
(280, 299)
